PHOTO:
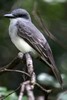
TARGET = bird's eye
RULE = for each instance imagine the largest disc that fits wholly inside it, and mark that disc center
(24, 16)
(20, 15)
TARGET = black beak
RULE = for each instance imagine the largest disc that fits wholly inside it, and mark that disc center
(9, 16)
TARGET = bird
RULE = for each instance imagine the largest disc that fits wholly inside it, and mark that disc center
(27, 38)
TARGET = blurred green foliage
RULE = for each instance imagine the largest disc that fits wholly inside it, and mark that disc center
(4, 94)
(55, 18)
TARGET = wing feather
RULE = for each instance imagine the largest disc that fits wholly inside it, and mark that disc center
(37, 42)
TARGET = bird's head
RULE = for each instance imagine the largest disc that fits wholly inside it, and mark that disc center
(18, 13)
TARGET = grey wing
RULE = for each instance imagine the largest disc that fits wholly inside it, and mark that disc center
(35, 38)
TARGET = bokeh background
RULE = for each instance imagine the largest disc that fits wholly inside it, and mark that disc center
(54, 15)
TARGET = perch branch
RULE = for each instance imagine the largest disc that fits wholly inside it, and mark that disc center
(30, 69)
(21, 91)
(33, 77)
(22, 72)
(29, 91)
(26, 86)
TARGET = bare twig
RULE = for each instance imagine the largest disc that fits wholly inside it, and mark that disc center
(31, 73)
(29, 92)
(46, 91)
(13, 63)
(21, 91)
(48, 33)
(42, 25)
(29, 63)
(33, 80)
(26, 86)
(2, 98)
(22, 72)
(18, 71)
(30, 69)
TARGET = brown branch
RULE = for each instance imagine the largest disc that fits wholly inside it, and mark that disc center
(49, 34)
(22, 72)
(46, 91)
(33, 80)
(26, 86)
(18, 71)
(29, 92)
(30, 69)
(13, 63)
(2, 98)
(21, 91)
(29, 63)
(42, 25)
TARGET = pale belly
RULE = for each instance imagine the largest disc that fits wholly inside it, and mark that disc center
(23, 46)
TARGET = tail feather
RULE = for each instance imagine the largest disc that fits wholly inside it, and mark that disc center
(55, 71)
(57, 75)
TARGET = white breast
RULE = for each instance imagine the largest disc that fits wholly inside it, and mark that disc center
(18, 41)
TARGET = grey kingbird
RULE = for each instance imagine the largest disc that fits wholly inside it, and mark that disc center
(27, 38)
